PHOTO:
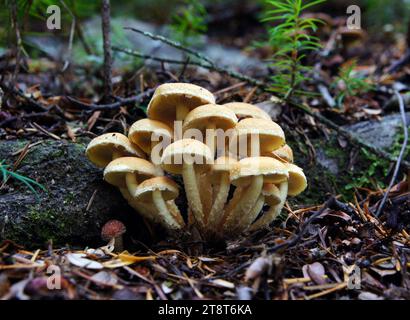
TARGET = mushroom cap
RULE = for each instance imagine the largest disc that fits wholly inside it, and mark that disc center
(100, 150)
(284, 154)
(116, 170)
(141, 133)
(186, 150)
(271, 194)
(200, 117)
(112, 229)
(245, 110)
(297, 180)
(272, 170)
(270, 134)
(221, 165)
(168, 188)
(168, 96)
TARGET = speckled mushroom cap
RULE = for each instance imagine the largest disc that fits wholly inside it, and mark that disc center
(272, 170)
(203, 116)
(168, 188)
(297, 179)
(284, 154)
(117, 169)
(100, 150)
(186, 150)
(244, 110)
(271, 194)
(142, 131)
(168, 96)
(221, 165)
(270, 134)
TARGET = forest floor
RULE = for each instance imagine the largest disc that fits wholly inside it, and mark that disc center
(332, 248)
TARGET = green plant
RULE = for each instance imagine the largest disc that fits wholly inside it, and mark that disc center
(291, 41)
(352, 84)
(30, 183)
(190, 22)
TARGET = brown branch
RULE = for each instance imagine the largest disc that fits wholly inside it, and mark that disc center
(105, 17)
(401, 155)
(15, 25)
(112, 106)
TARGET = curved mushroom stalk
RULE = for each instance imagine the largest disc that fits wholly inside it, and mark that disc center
(192, 192)
(181, 111)
(167, 218)
(131, 182)
(273, 211)
(245, 204)
(247, 220)
(205, 185)
(222, 192)
(144, 209)
(176, 213)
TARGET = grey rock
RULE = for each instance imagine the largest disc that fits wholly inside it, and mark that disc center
(61, 213)
(380, 134)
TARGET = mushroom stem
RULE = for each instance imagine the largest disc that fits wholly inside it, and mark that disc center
(181, 112)
(255, 146)
(116, 154)
(216, 213)
(174, 210)
(166, 217)
(211, 137)
(192, 192)
(205, 185)
(146, 210)
(247, 220)
(118, 244)
(273, 211)
(245, 204)
(131, 182)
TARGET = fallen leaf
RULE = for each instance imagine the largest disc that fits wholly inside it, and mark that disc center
(79, 260)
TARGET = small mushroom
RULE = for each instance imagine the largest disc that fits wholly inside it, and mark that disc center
(107, 147)
(296, 184)
(220, 177)
(114, 229)
(261, 136)
(142, 133)
(173, 101)
(129, 172)
(158, 190)
(245, 110)
(189, 157)
(208, 118)
(250, 174)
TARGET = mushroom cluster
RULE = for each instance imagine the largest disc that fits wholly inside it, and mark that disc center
(236, 168)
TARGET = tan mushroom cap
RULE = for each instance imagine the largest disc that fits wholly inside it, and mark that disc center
(272, 170)
(221, 165)
(297, 180)
(168, 96)
(284, 154)
(168, 188)
(271, 194)
(245, 110)
(271, 135)
(201, 117)
(186, 150)
(142, 131)
(117, 169)
(100, 150)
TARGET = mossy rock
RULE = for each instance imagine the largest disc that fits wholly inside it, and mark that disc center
(60, 214)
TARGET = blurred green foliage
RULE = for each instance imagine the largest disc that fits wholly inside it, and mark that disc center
(189, 22)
